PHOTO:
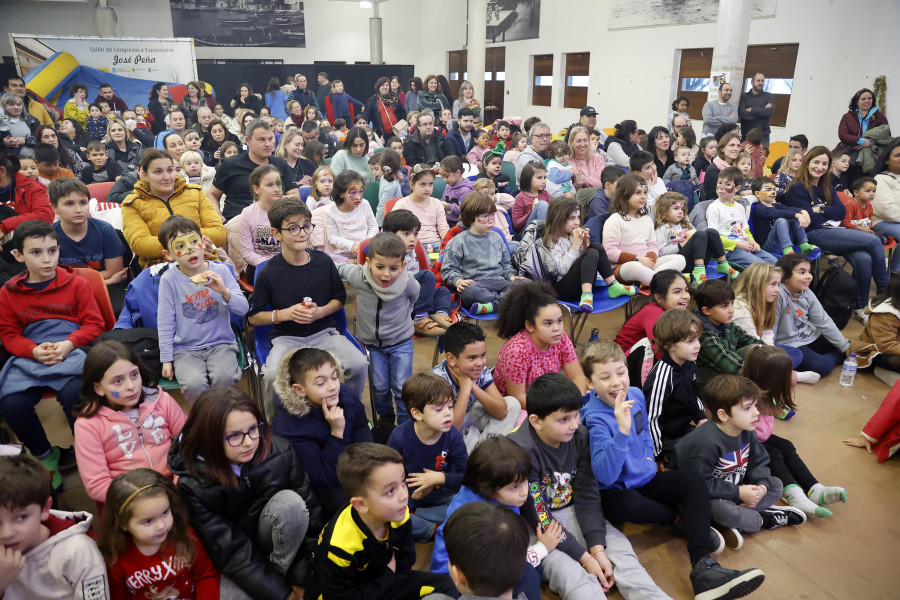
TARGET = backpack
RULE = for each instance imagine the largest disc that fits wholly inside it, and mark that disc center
(836, 290)
(532, 259)
(143, 340)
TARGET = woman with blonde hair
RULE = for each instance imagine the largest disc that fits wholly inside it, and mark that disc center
(290, 148)
(121, 145)
(467, 99)
(790, 165)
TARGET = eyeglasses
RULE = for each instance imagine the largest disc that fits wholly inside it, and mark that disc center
(542, 136)
(295, 229)
(236, 439)
(487, 218)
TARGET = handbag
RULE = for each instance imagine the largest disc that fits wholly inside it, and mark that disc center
(400, 126)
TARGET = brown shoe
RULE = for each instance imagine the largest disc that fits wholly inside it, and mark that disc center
(442, 320)
(428, 328)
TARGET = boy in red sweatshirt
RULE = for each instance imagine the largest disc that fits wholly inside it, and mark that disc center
(46, 314)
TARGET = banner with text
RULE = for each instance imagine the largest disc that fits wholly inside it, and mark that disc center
(158, 59)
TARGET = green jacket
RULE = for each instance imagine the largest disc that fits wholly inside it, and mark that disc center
(722, 349)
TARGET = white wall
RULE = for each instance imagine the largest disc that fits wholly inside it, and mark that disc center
(149, 18)
(844, 45)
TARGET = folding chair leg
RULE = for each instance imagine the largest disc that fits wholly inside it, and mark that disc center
(438, 347)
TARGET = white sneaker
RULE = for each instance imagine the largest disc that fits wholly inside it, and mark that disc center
(889, 377)
(860, 315)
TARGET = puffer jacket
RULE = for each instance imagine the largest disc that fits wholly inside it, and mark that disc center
(30, 202)
(886, 205)
(130, 159)
(850, 127)
(226, 519)
(532, 259)
(143, 214)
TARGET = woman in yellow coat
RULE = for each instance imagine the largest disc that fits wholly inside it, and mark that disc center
(159, 194)
(76, 106)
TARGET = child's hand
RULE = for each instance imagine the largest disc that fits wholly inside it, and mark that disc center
(751, 494)
(550, 536)
(647, 261)
(754, 247)
(43, 353)
(859, 442)
(208, 246)
(577, 239)
(168, 371)
(393, 564)
(623, 412)
(354, 249)
(464, 382)
(216, 283)
(803, 218)
(866, 229)
(593, 567)
(304, 314)
(599, 554)
(11, 564)
(427, 478)
(463, 284)
(334, 416)
(517, 278)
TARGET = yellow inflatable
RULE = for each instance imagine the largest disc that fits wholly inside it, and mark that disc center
(47, 79)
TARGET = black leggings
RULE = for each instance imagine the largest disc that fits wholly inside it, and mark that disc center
(786, 465)
(703, 245)
(584, 270)
(891, 362)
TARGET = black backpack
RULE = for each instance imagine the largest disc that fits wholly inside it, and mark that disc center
(143, 340)
(836, 290)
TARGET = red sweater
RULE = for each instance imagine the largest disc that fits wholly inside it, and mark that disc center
(67, 297)
(640, 326)
(162, 576)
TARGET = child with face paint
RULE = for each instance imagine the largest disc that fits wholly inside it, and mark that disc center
(196, 299)
(126, 421)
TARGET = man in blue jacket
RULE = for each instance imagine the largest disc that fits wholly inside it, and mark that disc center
(462, 139)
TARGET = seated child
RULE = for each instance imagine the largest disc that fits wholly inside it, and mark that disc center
(83, 240)
(682, 169)
(631, 487)
(502, 135)
(122, 408)
(302, 312)
(491, 165)
(476, 262)
(196, 299)
(729, 218)
(778, 227)
(320, 417)
(726, 452)
(141, 565)
(29, 168)
(603, 196)
(457, 187)
(46, 314)
(47, 158)
(723, 345)
(560, 174)
(476, 154)
(426, 208)
(859, 207)
(367, 552)
(486, 547)
(533, 199)
(254, 232)
(434, 453)
(195, 171)
(642, 163)
(386, 294)
(48, 553)
(480, 410)
(321, 187)
(562, 490)
(340, 130)
(102, 169)
(96, 125)
(349, 220)
(390, 186)
(431, 314)
(673, 396)
(801, 322)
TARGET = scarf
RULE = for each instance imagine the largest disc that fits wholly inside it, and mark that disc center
(391, 292)
(720, 163)
(390, 98)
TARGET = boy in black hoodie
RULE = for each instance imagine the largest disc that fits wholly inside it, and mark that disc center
(673, 396)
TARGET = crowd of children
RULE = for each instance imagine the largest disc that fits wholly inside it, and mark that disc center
(516, 473)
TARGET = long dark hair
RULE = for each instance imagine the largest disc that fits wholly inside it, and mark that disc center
(625, 129)
(522, 304)
(854, 101)
(651, 139)
(771, 369)
(353, 134)
(98, 361)
(202, 435)
(804, 178)
(154, 91)
(678, 100)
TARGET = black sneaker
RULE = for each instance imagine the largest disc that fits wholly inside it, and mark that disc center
(711, 581)
(782, 516)
(385, 421)
(66, 458)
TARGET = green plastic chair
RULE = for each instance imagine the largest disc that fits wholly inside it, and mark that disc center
(370, 193)
(509, 169)
(439, 185)
(171, 385)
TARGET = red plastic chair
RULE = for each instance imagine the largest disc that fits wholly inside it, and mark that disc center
(101, 295)
(100, 190)
(389, 205)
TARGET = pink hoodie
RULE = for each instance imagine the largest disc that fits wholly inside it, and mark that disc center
(109, 443)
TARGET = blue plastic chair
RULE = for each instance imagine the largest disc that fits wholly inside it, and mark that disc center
(602, 303)
(304, 192)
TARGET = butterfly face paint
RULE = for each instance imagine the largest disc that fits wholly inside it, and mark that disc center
(186, 244)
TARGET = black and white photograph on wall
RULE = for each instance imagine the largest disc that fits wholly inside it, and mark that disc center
(509, 20)
(635, 14)
(240, 22)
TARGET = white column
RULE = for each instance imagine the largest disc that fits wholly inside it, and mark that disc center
(106, 22)
(476, 47)
(730, 51)
(376, 47)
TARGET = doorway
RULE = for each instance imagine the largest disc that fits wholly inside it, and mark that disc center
(494, 80)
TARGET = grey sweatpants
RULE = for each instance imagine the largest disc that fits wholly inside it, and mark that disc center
(729, 514)
(568, 578)
(198, 370)
(282, 527)
(478, 424)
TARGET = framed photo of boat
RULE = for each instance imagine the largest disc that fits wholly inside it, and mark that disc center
(278, 23)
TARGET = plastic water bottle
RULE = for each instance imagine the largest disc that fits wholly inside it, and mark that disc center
(595, 335)
(848, 373)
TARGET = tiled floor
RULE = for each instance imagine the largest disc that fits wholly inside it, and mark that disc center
(851, 555)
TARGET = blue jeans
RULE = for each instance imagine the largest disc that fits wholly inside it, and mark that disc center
(785, 232)
(744, 258)
(893, 230)
(820, 356)
(431, 299)
(863, 250)
(429, 513)
(390, 368)
(538, 212)
(795, 354)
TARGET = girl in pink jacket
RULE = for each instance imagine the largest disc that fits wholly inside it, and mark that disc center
(126, 422)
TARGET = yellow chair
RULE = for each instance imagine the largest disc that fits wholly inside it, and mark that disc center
(609, 130)
(776, 151)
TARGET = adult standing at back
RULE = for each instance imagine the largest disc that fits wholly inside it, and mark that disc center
(158, 106)
(194, 99)
(426, 145)
(233, 175)
(432, 98)
(303, 94)
(384, 109)
(468, 100)
(276, 99)
(411, 102)
(755, 108)
(862, 116)
(539, 139)
(463, 138)
(245, 98)
(323, 91)
(719, 112)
